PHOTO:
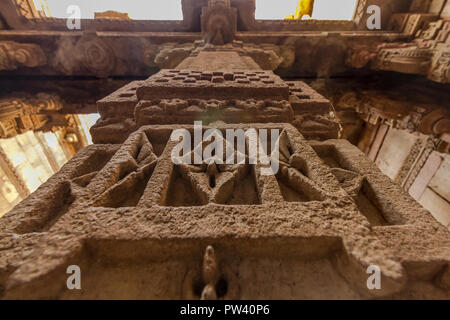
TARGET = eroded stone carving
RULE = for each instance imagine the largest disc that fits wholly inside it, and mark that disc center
(359, 56)
(212, 84)
(313, 114)
(95, 55)
(184, 96)
(267, 56)
(27, 9)
(441, 70)
(219, 22)
(89, 53)
(328, 201)
(24, 113)
(427, 54)
(126, 210)
(210, 273)
(15, 54)
(405, 59)
(171, 55)
(217, 183)
(188, 110)
(376, 108)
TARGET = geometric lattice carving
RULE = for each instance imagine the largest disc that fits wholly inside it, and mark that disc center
(215, 84)
(175, 96)
(330, 229)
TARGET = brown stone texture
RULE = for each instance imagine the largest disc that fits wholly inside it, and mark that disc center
(215, 83)
(41, 112)
(219, 22)
(13, 55)
(411, 105)
(141, 226)
(427, 54)
(226, 59)
(328, 214)
(102, 48)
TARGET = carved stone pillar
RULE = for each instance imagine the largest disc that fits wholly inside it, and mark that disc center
(12, 175)
(215, 83)
(209, 230)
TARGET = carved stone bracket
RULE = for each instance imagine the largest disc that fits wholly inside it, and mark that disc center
(427, 55)
(376, 109)
(170, 55)
(270, 56)
(267, 56)
(359, 56)
(14, 54)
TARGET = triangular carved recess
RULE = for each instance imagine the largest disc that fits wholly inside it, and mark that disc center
(214, 182)
(356, 186)
(129, 189)
(360, 190)
(295, 185)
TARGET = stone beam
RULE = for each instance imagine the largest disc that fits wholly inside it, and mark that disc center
(75, 96)
(107, 54)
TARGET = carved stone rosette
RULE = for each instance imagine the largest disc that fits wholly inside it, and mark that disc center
(89, 54)
(14, 54)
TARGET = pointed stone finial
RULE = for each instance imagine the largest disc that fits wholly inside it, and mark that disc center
(210, 274)
(210, 269)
